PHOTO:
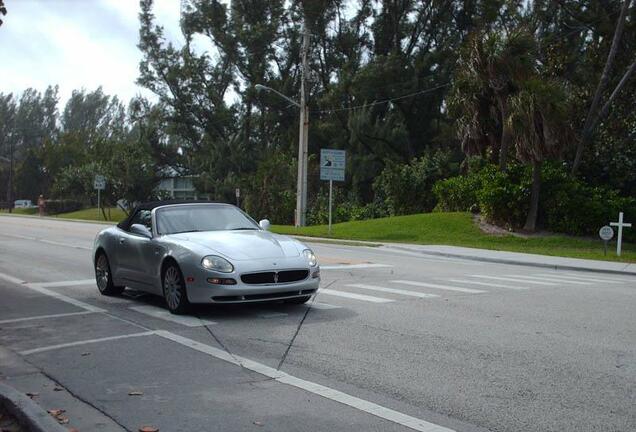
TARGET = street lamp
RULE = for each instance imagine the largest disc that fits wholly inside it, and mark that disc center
(303, 137)
(10, 186)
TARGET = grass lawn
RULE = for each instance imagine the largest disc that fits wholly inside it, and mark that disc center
(26, 211)
(113, 214)
(458, 229)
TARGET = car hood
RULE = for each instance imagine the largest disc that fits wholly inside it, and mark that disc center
(244, 245)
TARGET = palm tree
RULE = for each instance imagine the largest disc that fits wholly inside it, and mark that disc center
(490, 70)
(539, 122)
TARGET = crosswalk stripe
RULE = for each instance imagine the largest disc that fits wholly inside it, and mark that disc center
(558, 276)
(355, 296)
(353, 266)
(549, 279)
(323, 306)
(393, 291)
(442, 287)
(603, 278)
(514, 280)
(488, 284)
(157, 312)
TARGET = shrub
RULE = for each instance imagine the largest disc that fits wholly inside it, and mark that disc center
(407, 188)
(504, 197)
(457, 193)
(567, 205)
(62, 206)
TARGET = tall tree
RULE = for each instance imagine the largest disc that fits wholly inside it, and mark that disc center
(594, 115)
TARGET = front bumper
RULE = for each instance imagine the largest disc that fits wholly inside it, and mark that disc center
(201, 291)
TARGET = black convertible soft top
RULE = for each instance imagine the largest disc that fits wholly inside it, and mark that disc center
(125, 224)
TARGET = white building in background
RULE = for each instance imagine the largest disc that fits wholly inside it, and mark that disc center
(178, 186)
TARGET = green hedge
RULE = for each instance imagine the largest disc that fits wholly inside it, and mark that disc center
(567, 205)
(53, 207)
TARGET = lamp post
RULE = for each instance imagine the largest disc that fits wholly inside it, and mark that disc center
(10, 186)
(303, 136)
(301, 182)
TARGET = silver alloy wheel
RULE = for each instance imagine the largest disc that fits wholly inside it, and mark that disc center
(172, 287)
(102, 272)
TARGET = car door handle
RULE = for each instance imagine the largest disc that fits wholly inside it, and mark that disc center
(122, 240)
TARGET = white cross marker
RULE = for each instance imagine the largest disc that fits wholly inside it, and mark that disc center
(620, 224)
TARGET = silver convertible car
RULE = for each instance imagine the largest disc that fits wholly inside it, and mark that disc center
(202, 252)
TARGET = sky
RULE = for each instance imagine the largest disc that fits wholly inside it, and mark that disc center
(77, 44)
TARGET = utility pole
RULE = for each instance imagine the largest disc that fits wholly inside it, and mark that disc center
(10, 189)
(303, 137)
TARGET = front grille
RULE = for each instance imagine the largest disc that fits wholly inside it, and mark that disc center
(284, 276)
(268, 296)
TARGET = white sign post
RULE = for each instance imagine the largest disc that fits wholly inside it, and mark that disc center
(100, 184)
(606, 233)
(332, 167)
(237, 192)
(620, 224)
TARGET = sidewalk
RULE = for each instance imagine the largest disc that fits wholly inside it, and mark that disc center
(517, 258)
(494, 256)
(18, 379)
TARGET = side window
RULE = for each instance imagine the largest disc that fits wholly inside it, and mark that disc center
(143, 217)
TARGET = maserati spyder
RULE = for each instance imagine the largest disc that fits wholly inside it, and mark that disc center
(202, 252)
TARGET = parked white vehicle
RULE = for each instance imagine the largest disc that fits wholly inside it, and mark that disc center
(23, 204)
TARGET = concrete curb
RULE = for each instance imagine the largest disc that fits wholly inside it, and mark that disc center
(28, 414)
(58, 219)
(514, 262)
(510, 261)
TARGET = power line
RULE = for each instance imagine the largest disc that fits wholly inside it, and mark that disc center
(384, 101)
(540, 47)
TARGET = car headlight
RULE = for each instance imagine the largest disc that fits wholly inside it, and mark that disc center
(311, 258)
(217, 263)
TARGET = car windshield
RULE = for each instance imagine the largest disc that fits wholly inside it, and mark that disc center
(195, 218)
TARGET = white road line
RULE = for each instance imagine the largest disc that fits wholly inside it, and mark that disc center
(56, 243)
(41, 317)
(324, 306)
(353, 266)
(393, 291)
(62, 297)
(11, 279)
(268, 315)
(515, 280)
(37, 287)
(603, 278)
(355, 296)
(84, 342)
(157, 312)
(311, 387)
(547, 279)
(585, 279)
(66, 283)
(442, 287)
(488, 284)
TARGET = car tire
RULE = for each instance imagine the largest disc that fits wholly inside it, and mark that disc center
(104, 277)
(298, 300)
(174, 290)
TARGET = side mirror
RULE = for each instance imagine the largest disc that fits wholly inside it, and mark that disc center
(141, 230)
(264, 224)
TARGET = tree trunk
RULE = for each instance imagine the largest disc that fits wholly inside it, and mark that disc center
(505, 134)
(588, 127)
(531, 220)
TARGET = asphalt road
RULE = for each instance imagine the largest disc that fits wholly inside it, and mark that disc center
(395, 341)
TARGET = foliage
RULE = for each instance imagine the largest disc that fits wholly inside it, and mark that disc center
(567, 206)
(344, 207)
(53, 207)
(407, 188)
(457, 193)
